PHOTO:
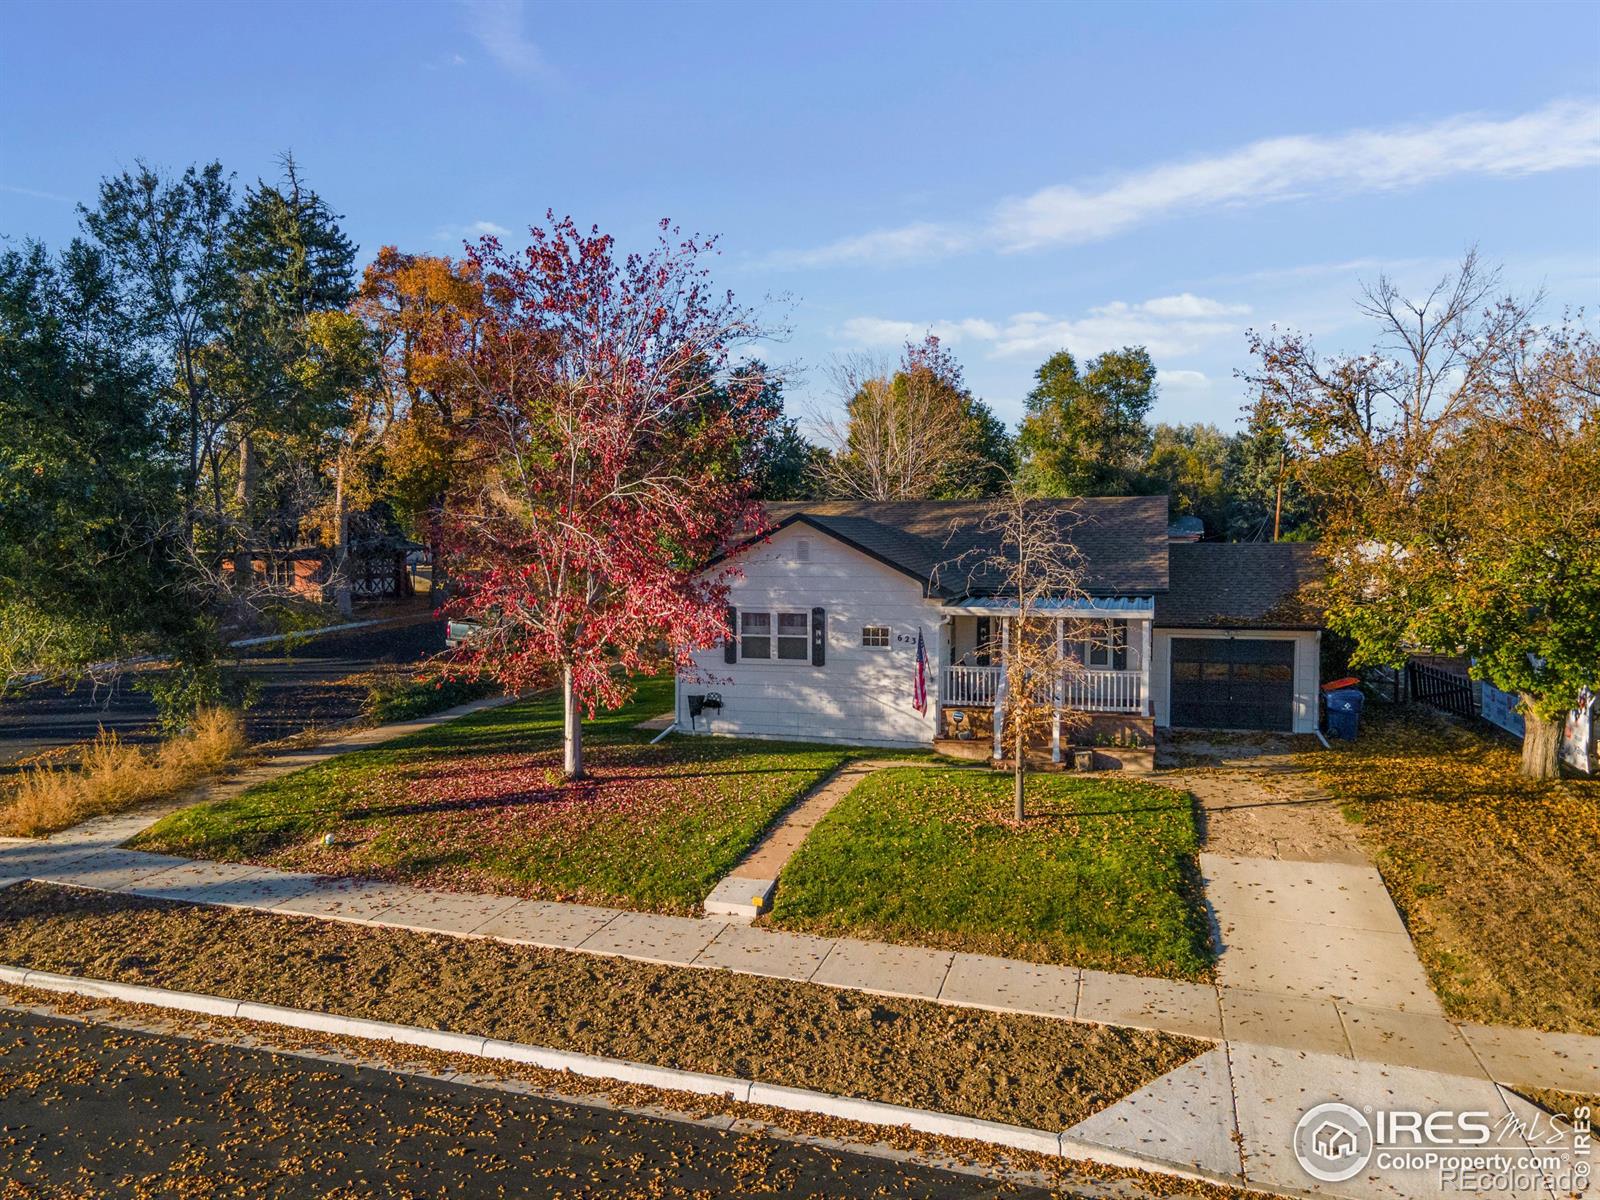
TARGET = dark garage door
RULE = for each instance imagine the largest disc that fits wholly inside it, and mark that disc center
(1232, 683)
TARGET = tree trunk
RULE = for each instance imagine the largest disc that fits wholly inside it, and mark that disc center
(1020, 810)
(1541, 743)
(572, 728)
(341, 550)
(438, 575)
(243, 558)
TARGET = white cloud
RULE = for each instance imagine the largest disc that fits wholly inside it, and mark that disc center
(905, 244)
(1562, 134)
(34, 193)
(1168, 326)
(469, 232)
(1184, 380)
(1188, 305)
(498, 27)
(878, 332)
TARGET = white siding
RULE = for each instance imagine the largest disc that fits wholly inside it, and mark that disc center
(860, 696)
(1307, 669)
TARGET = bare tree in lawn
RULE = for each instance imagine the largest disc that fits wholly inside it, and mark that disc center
(1040, 574)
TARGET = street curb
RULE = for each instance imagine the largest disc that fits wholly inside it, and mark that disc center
(307, 634)
(871, 1112)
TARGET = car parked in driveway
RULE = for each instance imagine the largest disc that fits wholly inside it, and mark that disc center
(457, 632)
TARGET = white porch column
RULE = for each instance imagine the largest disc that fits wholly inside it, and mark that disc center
(939, 661)
(1000, 687)
(1147, 702)
(1055, 697)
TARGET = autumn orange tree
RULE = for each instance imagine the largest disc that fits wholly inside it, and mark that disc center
(424, 311)
(614, 454)
(1457, 468)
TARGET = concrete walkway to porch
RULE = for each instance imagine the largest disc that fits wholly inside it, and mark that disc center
(746, 892)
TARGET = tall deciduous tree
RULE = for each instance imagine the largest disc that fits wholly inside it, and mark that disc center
(914, 432)
(166, 241)
(1456, 465)
(425, 312)
(615, 453)
(1189, 462)
(1084, 433)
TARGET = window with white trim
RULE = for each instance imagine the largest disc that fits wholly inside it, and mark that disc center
(1106, 639)
(765, 636)
(875, 636)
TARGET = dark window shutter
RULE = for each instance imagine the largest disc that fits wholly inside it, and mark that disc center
(730, 648)
(1119, 647)
(981, 655)
(819, 636)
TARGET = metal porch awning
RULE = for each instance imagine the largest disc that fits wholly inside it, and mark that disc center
(1129, 608)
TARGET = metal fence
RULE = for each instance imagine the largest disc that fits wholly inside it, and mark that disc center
(1442, 689)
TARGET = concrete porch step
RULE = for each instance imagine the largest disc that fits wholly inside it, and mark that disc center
(741, 899)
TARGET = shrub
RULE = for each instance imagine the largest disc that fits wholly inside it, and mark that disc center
(403, 697)
(191, 686)
(110, 776)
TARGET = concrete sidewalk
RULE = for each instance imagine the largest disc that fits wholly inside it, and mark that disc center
(90, 857)
(1227, 1115)
(1319, 993)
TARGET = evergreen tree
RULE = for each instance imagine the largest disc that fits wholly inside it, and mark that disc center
(88, 494)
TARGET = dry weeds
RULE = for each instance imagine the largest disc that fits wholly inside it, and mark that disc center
(110, 776)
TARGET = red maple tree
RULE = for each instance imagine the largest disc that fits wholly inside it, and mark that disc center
(611, 454)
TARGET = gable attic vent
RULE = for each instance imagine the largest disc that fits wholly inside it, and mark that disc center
(802, 549)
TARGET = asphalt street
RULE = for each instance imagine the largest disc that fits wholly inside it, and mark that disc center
(298, 688)
(91, 1111)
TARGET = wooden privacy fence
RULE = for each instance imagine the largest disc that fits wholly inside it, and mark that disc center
(1442, 689)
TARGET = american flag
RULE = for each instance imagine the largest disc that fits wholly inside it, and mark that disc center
(919, 686)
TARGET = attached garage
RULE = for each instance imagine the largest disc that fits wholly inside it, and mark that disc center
(1236, 644)
(1232, 683)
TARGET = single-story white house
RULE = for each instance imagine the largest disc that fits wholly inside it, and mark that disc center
(828, 608)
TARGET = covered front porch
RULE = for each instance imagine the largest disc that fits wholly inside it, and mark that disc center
(1106, 640)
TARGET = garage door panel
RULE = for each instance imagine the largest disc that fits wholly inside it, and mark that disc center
(1233, 683)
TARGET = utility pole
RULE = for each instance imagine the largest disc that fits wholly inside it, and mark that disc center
(1277, 505)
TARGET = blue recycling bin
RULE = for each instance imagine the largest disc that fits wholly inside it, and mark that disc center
(1344, 712)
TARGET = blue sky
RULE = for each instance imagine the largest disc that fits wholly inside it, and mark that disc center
(1016, 177)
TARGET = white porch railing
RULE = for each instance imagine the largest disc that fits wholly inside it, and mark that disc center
(1106, 691)
(1089, 691)
(971, 685)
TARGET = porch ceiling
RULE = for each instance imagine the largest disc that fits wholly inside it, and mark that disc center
(1132, 608)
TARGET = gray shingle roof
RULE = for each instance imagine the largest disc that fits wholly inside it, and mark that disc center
(1260, 585)
(1123, 539)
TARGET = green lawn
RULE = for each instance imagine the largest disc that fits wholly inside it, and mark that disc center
(477, 804)
(1101, 875)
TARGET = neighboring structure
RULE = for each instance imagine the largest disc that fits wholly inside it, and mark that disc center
(1186, 529)
(377, 569)
(830, 605)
